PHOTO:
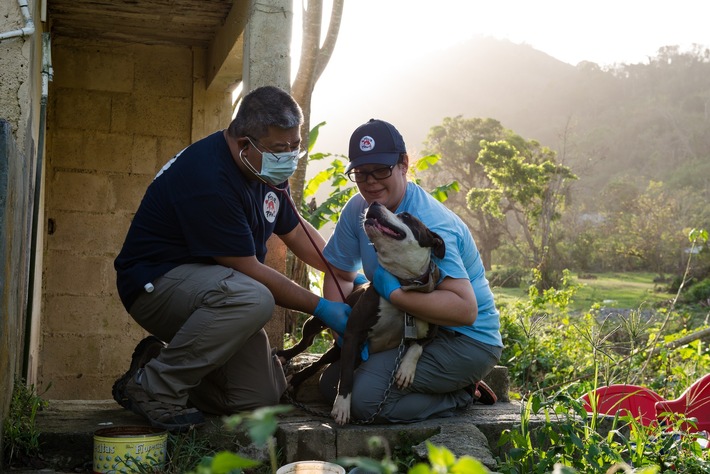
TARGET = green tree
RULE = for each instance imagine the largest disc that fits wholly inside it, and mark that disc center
(527, 194)
(315, 55)
(458, 141)
(643, 228)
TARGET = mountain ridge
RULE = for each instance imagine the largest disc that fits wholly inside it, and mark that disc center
(639, 122)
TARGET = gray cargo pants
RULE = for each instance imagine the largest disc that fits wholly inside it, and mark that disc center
(218, 355)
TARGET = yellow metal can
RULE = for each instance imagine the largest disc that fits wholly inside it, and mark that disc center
(129, 449)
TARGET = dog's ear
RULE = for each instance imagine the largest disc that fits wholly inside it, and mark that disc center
(438, 248)
(430, 239)
(424, 235)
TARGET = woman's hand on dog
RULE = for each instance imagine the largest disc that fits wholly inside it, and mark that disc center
(385, 283)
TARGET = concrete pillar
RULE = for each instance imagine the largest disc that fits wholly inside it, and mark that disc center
(267, 61)
(267, 44)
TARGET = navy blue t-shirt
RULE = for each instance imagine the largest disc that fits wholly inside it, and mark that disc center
(199, 206)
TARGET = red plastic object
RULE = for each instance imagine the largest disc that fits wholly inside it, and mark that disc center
(693, 403)
(627, 400)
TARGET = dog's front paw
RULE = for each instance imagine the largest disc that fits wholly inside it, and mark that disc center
(408, 366)
(341, 409)
(405, 376)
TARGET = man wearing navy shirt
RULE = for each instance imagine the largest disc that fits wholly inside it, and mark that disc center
(191, 271)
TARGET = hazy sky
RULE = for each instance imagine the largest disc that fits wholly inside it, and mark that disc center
(379, 33)
(377, 36)
(603, 31)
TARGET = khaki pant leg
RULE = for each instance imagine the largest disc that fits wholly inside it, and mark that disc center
(252, 378)
(208, 314)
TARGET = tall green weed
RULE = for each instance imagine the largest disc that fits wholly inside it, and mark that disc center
(20, 433)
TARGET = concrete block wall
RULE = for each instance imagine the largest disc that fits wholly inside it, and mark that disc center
(117, 113)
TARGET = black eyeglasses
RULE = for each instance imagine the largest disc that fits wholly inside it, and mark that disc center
(378, 173)
(287, 148)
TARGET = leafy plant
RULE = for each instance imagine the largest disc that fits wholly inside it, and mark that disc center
(557, 435)
(20, 433)
(440, 460)
(342, 190)
(261, 425)
(539, 351)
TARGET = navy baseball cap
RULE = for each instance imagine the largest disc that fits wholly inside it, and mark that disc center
(375, 142)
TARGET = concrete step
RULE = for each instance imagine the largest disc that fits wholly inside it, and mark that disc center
(307, 432)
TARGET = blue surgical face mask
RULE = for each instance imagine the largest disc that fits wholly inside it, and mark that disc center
(275, 167)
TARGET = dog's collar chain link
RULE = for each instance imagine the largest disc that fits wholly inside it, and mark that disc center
(371, 419)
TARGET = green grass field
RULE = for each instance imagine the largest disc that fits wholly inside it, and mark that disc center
(613, 290)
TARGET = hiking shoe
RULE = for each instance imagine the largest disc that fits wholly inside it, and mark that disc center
(147, 349)
(482, 393)
(173, 418)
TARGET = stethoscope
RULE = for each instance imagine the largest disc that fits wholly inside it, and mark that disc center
(292, 204)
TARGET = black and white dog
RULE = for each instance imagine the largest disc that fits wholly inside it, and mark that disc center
(404, 247)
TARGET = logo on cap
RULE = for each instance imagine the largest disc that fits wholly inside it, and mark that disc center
(367, 143)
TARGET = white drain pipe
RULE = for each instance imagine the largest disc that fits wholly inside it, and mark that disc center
(29, 28)
(29, 368)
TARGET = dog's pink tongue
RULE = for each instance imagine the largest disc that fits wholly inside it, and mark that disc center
(386, 230)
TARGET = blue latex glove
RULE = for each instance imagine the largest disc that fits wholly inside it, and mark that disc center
(333, 314)
(385, 283)
(360, 279)
(364, 353)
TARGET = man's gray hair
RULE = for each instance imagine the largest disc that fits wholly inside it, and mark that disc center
(262, 108)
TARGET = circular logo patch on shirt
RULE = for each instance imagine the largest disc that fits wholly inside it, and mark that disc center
(271, 206)
(367, 143)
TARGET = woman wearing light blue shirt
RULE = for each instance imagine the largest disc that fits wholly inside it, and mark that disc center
(468, 344)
